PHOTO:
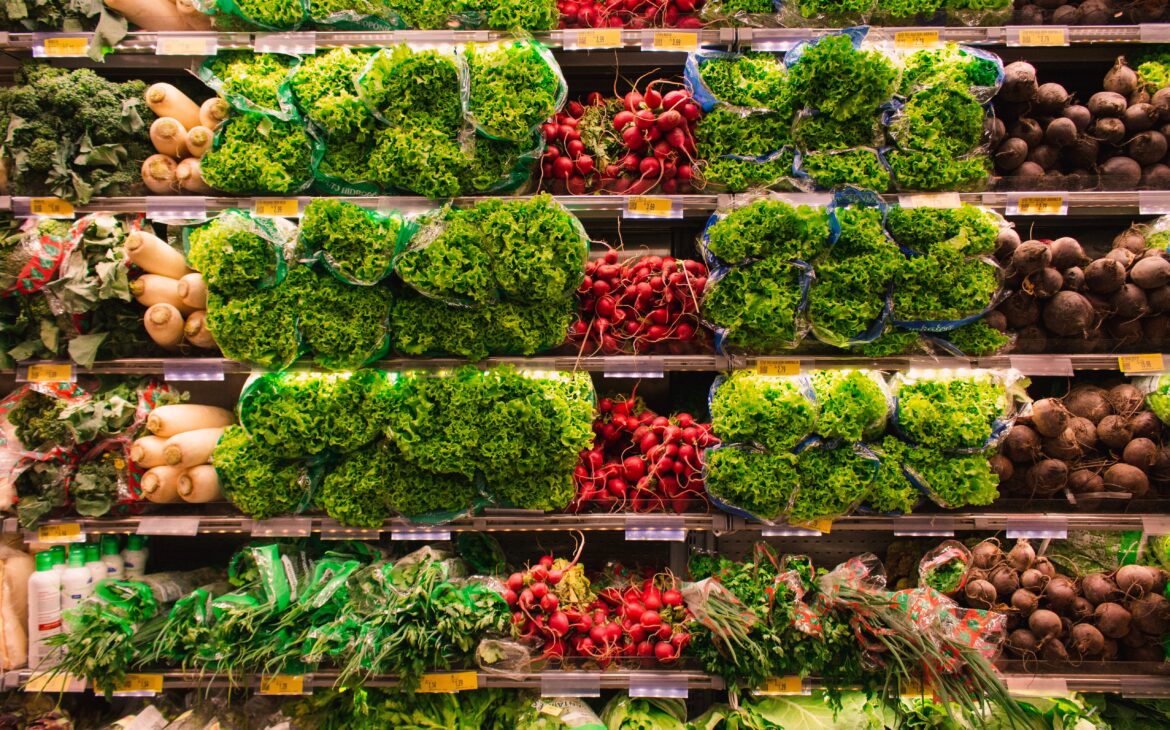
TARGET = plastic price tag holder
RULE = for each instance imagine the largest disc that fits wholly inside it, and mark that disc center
(676, 41)
(1061, 367)
(634, 367)
(54, 683)
(300, 43)
(769, 39)
(587, 39)
(172, 526)
(448, 682)
(1037, 204)
(789, 531)
(139, 685)
(1156, 524)
(1050, 35)
(924, 527)
(1154, 202)
(283, 527)
(50, 208)
(165, 208)
(1035, 685)
(570, 684)
(938, 363)
(421, 533)
(665, 528)
(1147, 363)
(790, 685)
(930, 200)
(62, 534)
(52, 45)
(914, 40)
(46, 372)
(1037, 528)
(193, 369)
(1154, 32)
(659, 684)
(168, 44)
(642, 206)
(276, 207)
(776, 366)
(282, 685)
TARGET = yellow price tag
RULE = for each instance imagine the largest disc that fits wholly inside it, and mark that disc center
(140, 684)
(823, 525)
(547, 708)
(50, 372)
(1148, 363)
(1041, 205)
(449, 682)
(915, 39)
(598, 38)
(52, 682)
(282, 684)
(791, 685)
(910, 687)
(277, 207)
(777, 366)
(930, 200)
(50, 207)
(60, 533)
(1043, 36)
(181, 46)
(676, 41)
(641, 205)
(63, 47)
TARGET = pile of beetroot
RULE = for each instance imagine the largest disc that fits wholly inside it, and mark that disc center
(640, 305)
(627, 146)
(641, 461)
(635, 621)
(630, 13)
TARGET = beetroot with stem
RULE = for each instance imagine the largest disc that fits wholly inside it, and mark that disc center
(1144, 424)
(1049, 416)
(986, 555)
(1045, 624)
(1022, 555)
(1019, 83)
(1151, 614)
(1132, 239)
(1099, 588)
(1025, 601)
(1023, 643)
(1127, 479)
(1047, 477)
(1021, 445)
(1105, 275)
(1150, 272)
(1113, 621)
(1088, 401)
(1067, 252)
(980, 593)
(1141, 452)
(1135, 581)
(1086, 641)
(1113, 431)
(1129, 302)
(1067, 314)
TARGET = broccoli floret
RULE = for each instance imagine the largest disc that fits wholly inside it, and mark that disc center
(40, 154)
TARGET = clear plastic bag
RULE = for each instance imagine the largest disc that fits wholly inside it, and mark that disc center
(746, 82)
(253, 82)
(758, 307)
(944, 290)
(32, 260)
(506, 102)
(411, 86)
(754, 227)
(447, 260)
(356, 244)
(746, 13)
(863, 167)
(964, 411)
(750, 482)
(324, 91)
(952, 480)
(980, 71)
(852, 404)
(255, 154)
(238, 253)
(278, 16)
(775, 411)
(740, 173)
(354, 15)
(944, 568)
(344, 326)
(834, 479)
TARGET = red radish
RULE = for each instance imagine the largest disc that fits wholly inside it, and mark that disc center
(633, 101)
(652, 99)
(562, 167)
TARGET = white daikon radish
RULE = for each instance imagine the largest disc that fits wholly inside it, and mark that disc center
(164, 323)
(193, 291)
(199, 140)
(212, 112)
(148, 452)
(189, 175)
(154, 256)
(161, 484)
(166, 421)
(167, 101)
(151, 289)
(191, 448)
(169, 137)
(196, 330)
(158, 174)
(195, 19)
(200, 484)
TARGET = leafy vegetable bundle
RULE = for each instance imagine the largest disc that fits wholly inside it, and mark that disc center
(73, 134)
(395, 432)
(503, 15)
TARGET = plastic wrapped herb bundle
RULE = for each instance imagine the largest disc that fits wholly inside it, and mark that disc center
(260, 485)
(833, 480)
(238, 253)
(759, 484)
(968, 228)
(514, 87)
(254, 154)
(343, 325)
(768, 227)
(418, 89)
(324, 89)
(944, 288)
(852, 404)
(955, 409)
(369, 485)
(358, 245)
(424, 326)
(775, 412)
(254, 82)
(757, 307)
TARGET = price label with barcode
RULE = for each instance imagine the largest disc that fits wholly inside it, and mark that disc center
(916, 39)
(1040, 36)
(282, 684)
(448, 682)
(276, 207)
(139, 685)
(642, 206)
(672, 40)
(823, 525)
(65, 47)
(50, 207)
(50, 372)
(1035, 204)
(65, 533)
(1147, 363)
(777, 366)
(791, 685)
(588, 38)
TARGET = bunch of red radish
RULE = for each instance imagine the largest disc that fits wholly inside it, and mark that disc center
(641, 304)
(640, 142)
(642, 461)
(630, 13)
(643, 624)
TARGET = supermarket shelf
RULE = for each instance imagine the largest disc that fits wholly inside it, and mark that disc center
(614, 366)
(1079, 203)
(673, 683)
(181, 44)
(1035, 524)
(221, 519)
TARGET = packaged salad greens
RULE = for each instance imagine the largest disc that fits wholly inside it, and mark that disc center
(758, 307)
(357, 245)
(258, 483)
(749, 81)
(324, 92)
(757, 227)
(515, 86)
(253, 82)
(419, 88)
(834, 479)
(751, 482)
(344, 326)
(257, 154)
(852, 404)
(238, 253)
(776, 412)
(956, 410)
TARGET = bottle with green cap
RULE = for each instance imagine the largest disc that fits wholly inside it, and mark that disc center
(134, 557)
(76, 581)
(115, 567)
(60, 558)
(44, 607)
(93, 561)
